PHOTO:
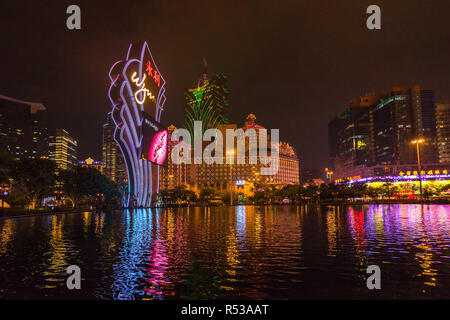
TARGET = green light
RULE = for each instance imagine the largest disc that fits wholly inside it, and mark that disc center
(207, 104)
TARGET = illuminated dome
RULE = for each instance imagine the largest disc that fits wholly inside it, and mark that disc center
(171, 128)
(250, 122)
(286, 149)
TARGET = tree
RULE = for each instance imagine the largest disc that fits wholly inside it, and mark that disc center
(177, 195)
(34, 179)
(357, 190)
(206, 194)
(388, 189)
(88, 182)
(443, 188)
(311, 192)
(225, 196)
(6, 164)
(292, 192)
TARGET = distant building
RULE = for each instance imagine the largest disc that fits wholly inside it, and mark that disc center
(241, 178)
(113, 164)
(288, 171)
(399, 117)
(315, 182)
(22, 131)
(308, 175)
(373, 136)
(63, 149)
(349, 136)
(174, 175)
(91, 163)
(207, 103)
(443, 131)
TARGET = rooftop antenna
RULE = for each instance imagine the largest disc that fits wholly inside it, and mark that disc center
(205, 69)
(204, 76)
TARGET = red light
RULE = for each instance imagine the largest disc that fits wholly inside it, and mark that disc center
(153, 73)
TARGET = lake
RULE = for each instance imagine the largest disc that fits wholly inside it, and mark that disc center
(243, 252)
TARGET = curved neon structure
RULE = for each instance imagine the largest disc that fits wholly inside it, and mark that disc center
(134, 81)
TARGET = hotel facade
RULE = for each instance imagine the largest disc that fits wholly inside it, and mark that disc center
(372, 137)
(240, 178)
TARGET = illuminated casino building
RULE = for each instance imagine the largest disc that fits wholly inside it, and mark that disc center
(372, 136)
(22, 131)
(288, 173)
(137, 94)
(241, 177)
(63, 149)
(113, 164)
(207, 102)
(174, 175)
(91, 163)
(443, 131)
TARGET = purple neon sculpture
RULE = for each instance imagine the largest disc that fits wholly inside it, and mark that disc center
(129, 100)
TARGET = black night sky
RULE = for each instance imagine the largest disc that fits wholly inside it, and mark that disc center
(294, 64)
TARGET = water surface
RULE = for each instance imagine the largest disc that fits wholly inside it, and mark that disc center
(244, 252)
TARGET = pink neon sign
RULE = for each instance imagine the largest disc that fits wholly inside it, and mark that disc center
(158, 149)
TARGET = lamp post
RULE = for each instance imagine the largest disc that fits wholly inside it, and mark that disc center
(231, 153)
(417, 142)
(4, 191)
(329, 173)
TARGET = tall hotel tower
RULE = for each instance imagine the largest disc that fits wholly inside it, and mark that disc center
(443, 131)
(207, 102)
(22, 132)
(63, 149)
(113, 165)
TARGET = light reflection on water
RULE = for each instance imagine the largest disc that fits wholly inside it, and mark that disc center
(285, 252)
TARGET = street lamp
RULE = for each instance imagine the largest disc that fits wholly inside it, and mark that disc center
(329, 173)
(4, 191)
(417, 142)
(231, 153)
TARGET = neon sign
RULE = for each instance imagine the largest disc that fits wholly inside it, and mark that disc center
(142, 89)
(153, 73)
(154, 140)
(158, 149)
(138, 90)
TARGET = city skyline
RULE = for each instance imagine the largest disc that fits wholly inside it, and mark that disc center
(219, 158)
(270, 66)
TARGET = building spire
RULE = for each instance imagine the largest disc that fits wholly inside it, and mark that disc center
(205, 68)
(204, 78)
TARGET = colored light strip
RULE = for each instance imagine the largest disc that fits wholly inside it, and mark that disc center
(401, 178)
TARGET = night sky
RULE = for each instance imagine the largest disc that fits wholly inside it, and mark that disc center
(294, 64)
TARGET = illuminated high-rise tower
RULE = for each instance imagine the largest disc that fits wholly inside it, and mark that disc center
(22, 130)
(113, 165)
(207, 102)
(443, 130)
(63, 149)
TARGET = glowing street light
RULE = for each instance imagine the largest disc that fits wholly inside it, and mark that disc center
(329, 173)
(417, 142)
